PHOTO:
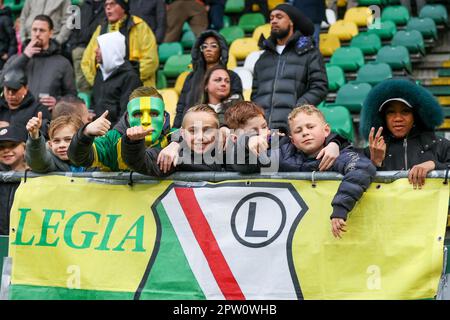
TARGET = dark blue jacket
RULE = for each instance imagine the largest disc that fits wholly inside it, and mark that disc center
(313, 9)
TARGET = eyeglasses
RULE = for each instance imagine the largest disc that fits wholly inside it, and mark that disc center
(205, 46)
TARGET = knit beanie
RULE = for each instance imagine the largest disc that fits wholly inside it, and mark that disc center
(124, 4)
(301, 22)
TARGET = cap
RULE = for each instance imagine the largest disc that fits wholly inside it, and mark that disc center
(14, 134)
(395, 99)
(14, 78)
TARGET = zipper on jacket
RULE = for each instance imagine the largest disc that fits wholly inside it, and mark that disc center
(273, 90)
(405, 146)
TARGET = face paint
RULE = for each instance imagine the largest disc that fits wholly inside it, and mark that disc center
(147, 112)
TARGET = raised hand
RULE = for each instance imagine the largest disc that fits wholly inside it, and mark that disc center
(138, 133)
(329, 154)
(258, 145)
(33, 126)
(99, 127)
(377, 147)
(49, 102)
(31, 49)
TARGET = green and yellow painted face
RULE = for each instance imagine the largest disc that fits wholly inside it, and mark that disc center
(147, 112)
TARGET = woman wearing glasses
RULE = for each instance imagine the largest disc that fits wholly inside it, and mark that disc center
(209, 50)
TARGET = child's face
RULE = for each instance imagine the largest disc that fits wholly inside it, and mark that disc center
(256, 125)
(399, 119)
(199, 131)
(308, 132)
(12, 153)
(59, 143)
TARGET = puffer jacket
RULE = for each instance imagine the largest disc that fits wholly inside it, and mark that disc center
(7, 192)
(8, 41)
(192, 91)
(28, 109)
(296, 77)
(154, 13)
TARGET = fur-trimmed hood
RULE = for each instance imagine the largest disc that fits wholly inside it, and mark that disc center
(198, 62)
(427, 111)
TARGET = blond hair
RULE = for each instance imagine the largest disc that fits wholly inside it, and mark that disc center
(202, 108)
(64, 121)
(307, 109)
(145, 92)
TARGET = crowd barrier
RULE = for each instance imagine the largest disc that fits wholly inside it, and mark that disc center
(223, 236)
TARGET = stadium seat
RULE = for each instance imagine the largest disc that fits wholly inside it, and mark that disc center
(250, 21)
(352, 96)
(188, 40)
(369, 43)
(232, 33)
(397, 14)
(362, 16)
(186, 27)
(86, 97)
(371, 2)
(336, 77)
(412, 40)
(329, 43)
(344, 30)
(180, 81)
(395, 56)
(175, 65)
(348, 58)
(262, 30)
(251, 59)
(385, 29)
(437, 12)
(168, 49)
(273, 3)
(232, 63)
(14, 5)
(246, 77)
(226, 21)
(161, 80)
(373, 73)
(241, 48)
(170, 97)
(340, 121)
(234, 6)
(247, 95)
(425, 26)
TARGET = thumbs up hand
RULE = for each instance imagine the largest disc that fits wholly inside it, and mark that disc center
(99, 127)
(33, 126)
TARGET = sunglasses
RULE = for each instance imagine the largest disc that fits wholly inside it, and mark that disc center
(205, 46)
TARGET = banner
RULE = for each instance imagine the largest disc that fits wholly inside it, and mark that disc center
(74, 238)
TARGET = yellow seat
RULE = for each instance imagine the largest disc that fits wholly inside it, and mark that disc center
(170, 97)
(241, 48)
(273, 3)
(232, 63)
(341, 3)
(344, 30)
(248, 94)
(329, 43)
(362, 16)
(261, 30)
(180, 81)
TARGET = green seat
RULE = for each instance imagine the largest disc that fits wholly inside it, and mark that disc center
(348, 58)
(186, 27)
(412, 40)
(395, 56)
(369, 43)
(437, 12)
(250, 21)
(86, 97)
(425, 26)
(161, 80)
(14, 5)
(366, 3)
(384, 29)
(168, 49)
(373, 73)
(226, 21)
(340, 121)
(388, 2)
(76, 2)
(234, 6)
(176, 65)
(188, 40)
(3, 253)
(397, 14)
(336, 77)
(232, 33)
(352, 96)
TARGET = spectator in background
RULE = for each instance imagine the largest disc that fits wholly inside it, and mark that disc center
(12, 148)
(50, 75)
(72, 106)
(291, 70)
(209, 50)
(142, 49)
(262, 4)
(8, 41)
(419, 5)
(315, 10)
(19, 40)
(17, 105)
(216, 12)
(180, 11)
(92, 14)
(57, 10)
(154, 13)
(115, 80)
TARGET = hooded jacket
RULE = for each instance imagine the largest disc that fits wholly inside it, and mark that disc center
(115, 80)
(296, 77)
(421, 144)
(192, 91)
(47, 72)
(8, 41)
(92, 14)
(28, 109)
(154, 13)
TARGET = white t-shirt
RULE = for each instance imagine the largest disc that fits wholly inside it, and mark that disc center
(280, 49)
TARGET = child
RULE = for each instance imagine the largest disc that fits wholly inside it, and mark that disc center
(199, 152)
(308, 134)
(12, 149)
(54, 158)
(95, 145)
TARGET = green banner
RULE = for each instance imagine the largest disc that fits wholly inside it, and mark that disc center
(3, 253)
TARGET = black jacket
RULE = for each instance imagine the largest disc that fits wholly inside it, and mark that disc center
(27, 110)
(8, 41)
(7, 192)
(296, 77)
(154, 13)
(192, 91)
(313, 9)
(92, 15)
(113, 94)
